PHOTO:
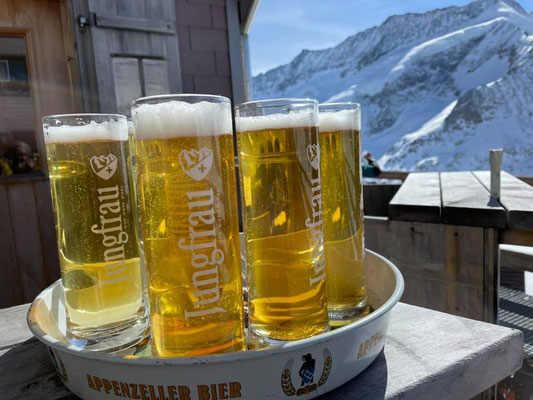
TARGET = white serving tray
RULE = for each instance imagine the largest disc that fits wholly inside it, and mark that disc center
(337, 356)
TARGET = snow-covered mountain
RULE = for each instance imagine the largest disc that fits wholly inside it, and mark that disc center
(438, 89)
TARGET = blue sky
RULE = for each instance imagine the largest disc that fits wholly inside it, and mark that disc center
(282, 28)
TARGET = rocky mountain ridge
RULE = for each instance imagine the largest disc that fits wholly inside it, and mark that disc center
(438, 89)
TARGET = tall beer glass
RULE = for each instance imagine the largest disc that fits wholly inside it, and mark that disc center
(98, 247)
(188, 208)
(342, 202)
(282, 219)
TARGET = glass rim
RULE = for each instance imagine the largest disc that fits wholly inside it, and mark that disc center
(278, 102)
(177, 96)
(83, 115)
(355, 106)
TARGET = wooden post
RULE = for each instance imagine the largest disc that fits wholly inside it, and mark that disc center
(495, 156)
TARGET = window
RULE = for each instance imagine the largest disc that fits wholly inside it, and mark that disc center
(18, 147)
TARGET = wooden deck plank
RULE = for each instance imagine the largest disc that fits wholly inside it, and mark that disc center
(418, 199)
(465, 201)
(13, 327)
(516, 196)
(27, 373)
(10, 288)
(24, 223)
(43, 201)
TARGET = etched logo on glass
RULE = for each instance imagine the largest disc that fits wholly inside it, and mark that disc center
(196, 163)
(104, 166)
(313, 155)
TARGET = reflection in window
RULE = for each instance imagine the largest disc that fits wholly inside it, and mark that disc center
(18, 147)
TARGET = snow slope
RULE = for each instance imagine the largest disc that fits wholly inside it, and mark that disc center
(437, 89)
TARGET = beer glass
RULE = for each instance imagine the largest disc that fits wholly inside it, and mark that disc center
(98, 247)
(188, 209)
(342, 202)
(282, 219)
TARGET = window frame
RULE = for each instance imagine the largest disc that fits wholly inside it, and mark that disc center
(26, 35)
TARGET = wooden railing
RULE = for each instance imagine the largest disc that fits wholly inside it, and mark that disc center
(402, 175)
(526, 179)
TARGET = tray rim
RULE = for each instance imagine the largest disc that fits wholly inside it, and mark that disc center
(229, 357)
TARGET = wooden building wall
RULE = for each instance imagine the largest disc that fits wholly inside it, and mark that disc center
(70, 72)
(28, 247)
(445, 267)
(212, 40)
(203, 43)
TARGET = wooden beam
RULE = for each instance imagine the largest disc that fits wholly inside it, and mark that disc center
(402, 175)
(490, 275)
(235, 53)
(526, 179)
(465, 201)
(516, 257)
(135, 24)
(418, 199)
(376, 199)
(515, 236)
(248, 8)
(516, 196)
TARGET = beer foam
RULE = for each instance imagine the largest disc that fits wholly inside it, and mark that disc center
(296, 119)
(108, 130)
(339, 120)
(178, 118)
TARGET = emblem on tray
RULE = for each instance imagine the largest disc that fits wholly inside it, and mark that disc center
(196, 163)
(313, 155)
(306, 374)
(104, 166)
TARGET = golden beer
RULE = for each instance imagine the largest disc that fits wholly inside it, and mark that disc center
(97, 242)
(132, 163)
(188, 207)
(342, 202)
(282, 220)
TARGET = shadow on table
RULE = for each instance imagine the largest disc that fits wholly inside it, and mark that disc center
(27, 372)
(369, 384)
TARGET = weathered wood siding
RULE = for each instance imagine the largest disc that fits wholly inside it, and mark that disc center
(138, 29)
(376, 199)
(28, 246)
(443, 265)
